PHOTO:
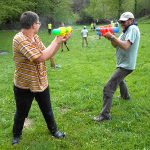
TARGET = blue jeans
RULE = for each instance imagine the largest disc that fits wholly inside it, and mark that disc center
(117, 79)
(24, 98)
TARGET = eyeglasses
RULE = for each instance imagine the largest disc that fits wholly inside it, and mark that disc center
(122, 22)
(38, 23)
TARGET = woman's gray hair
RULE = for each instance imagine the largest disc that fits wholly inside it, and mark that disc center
(28, 18)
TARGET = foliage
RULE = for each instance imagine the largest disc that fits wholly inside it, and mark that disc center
(10, 10)
(114, 8)
(63, 12)
(54, 9)
(78, 5)
(94, 9)
(143, 7)
(70, 11)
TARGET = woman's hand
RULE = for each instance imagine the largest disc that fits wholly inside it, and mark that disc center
(60, 39)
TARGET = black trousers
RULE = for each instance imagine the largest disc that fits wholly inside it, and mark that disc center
(49, 31)
(24, 100)
(117, 79)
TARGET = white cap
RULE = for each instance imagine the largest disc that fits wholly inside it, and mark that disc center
(84, 26)
(125, 16)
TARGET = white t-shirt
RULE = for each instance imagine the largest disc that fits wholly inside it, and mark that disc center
(84, 32)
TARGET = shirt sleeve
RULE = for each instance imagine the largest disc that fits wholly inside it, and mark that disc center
(29, 50)
(131, 35)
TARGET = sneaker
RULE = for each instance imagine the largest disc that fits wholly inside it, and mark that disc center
(57, 66)
(15, 140)
(59, 135)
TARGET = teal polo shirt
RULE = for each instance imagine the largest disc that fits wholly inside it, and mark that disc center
(127, 58)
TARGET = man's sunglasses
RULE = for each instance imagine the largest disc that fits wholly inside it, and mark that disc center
(122, 22)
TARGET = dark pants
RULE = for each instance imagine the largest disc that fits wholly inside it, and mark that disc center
(84, 40)
(49, 31)
(24, 100)
(116, 80)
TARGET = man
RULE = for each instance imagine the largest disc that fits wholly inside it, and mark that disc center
(63, 43)
(52, 63)
(30, 78)
(126, 53)
(92, 26)
(84, 34)
(49, 28)
(112, 23)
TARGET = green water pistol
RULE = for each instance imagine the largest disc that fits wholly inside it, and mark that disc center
(62, 31)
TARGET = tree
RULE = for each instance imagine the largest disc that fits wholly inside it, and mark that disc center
(51, 9)
(135, 8)
(143, 8)
(78, 5)
(63, 12)
(10, 10)
(54, 10)
(97, 8)
(69, 10)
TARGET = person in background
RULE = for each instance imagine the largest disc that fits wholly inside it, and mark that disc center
(30, 77)
(53, 65)
(116, 24)
(52, 62)
(112, 23)
(64, 43)
(84, 34)
(49, 28)
(126, 54)
(92, 26)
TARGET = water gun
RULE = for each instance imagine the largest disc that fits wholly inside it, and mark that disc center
(102, 30)
(62, 31)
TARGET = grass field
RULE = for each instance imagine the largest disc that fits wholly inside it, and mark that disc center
(76, 95)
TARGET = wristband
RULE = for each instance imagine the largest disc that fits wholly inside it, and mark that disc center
(112, 38)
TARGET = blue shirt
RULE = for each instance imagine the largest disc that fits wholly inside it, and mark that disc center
(127, 58)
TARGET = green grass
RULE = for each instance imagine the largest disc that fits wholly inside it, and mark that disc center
(145, 19)
(76, 95)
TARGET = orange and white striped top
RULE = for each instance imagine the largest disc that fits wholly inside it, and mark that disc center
(29, 74)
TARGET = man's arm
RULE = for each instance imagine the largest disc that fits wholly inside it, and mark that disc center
(117, 42)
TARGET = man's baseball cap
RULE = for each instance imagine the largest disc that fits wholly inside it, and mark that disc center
(85, 27)
(125, 16)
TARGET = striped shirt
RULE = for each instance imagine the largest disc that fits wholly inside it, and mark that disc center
(29, 74)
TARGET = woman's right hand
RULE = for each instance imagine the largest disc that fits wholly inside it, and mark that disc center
(60, 39)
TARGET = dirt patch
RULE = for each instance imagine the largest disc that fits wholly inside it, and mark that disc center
(64, 110)
(27, 123)
(3, 52)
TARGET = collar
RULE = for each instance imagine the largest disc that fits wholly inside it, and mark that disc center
(134, 23)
